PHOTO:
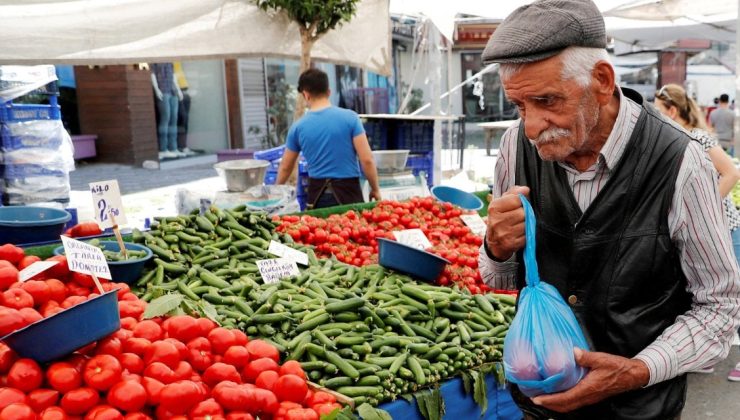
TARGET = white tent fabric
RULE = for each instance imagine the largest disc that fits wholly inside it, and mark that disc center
(676, 9)
(132, 31)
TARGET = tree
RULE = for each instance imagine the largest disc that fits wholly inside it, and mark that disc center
(314, 19)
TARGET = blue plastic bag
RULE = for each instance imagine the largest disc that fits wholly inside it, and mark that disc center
(538, 349)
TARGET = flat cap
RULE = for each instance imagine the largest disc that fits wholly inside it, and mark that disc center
(544, 28)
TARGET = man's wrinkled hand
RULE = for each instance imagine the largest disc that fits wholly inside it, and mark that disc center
(608, 375)
(505, 233)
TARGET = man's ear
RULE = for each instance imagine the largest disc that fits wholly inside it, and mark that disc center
(603, 81)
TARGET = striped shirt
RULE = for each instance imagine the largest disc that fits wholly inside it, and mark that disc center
(702, 336)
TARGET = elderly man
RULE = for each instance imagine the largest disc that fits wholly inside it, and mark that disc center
(629, 220)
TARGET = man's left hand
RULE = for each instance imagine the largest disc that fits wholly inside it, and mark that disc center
(608, 375)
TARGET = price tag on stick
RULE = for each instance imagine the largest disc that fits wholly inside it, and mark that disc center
(274, 270)
(87, 259)
(34, 269)
(280, 250)
(475, 223)
(106, 201)
(414, 238)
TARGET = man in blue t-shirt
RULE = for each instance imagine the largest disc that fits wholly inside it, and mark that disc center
(334, 144)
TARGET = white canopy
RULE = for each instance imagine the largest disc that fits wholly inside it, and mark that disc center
(131, 31)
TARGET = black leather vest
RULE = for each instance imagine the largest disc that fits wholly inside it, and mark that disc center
(616, 260)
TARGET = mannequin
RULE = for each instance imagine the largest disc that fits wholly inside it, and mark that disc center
(167, 95)
(183, 110)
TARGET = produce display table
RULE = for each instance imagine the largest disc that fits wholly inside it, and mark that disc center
(459, 405)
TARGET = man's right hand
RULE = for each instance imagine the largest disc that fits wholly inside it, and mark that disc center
(505, 234)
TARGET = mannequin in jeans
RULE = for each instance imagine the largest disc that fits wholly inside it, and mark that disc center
(167, 94)
(183, 110)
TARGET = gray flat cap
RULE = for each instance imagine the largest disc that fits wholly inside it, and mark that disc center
(543, 29)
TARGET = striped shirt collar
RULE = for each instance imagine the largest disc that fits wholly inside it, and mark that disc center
(615, 144)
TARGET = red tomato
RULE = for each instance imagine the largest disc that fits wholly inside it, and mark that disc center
(199, 353)
(18, 411)
(63, 377)
(182, 349)
(12, 253)
(292, 367)
(160, 372)
(127, 396)
(221, 339)
(219, 372)
(10, 320)
(104, 412)
(25, 375)
(110, 345)
(102, 372)
(11, 395)
(53, 413)
(59, 270)
(255, 367)
(162, 351)
(129, 323)
(258, 349)
(131, 362)
(30, 315)
(80, 400)
(267, 379)
(73, 300)
(326, 408)
(7, 356)
(183, 371)
(57, 290)
(179, 397)
(230, 395)
(205, 326)
(237, 356)
(301, 414)
(291, 388)
(239, 415)
(137, 416)
(134, 309)
(17, 299)
(148, 329)
(40, 399)
(38, 289)
(205, 409)
(153, 389)
(183, 328)
(136, 345)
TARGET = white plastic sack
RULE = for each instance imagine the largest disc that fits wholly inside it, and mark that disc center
(16, 81)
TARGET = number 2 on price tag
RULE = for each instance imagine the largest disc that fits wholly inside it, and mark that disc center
(106, 201)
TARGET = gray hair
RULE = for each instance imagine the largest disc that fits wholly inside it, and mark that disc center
(578, 62)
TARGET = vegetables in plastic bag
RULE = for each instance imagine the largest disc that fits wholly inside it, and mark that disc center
(538, 349)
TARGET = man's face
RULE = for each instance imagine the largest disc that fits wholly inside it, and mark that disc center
(558, 115)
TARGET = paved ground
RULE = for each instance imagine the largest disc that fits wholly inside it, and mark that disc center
(712, 396)
(136, 179)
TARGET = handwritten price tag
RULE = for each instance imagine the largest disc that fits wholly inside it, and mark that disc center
(413, 237)
(274, 270)
(85, 258)
(34, 269)
(475, 223)
(280, 250)
(107, 199)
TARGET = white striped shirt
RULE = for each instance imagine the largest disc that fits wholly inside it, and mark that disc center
(702, 336)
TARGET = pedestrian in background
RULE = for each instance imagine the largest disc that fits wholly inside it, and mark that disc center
(722, 121)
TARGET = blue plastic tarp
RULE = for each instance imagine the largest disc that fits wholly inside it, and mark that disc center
(459, 405)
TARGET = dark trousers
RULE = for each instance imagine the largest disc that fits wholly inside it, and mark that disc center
(183, 111)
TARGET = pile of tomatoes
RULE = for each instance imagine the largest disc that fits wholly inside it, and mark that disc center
(352, 236)
(166, 368)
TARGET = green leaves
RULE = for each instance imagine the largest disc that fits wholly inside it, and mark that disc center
(368, 412)
(431, 404)
(480, 393)
(319, 15)
(163, 305)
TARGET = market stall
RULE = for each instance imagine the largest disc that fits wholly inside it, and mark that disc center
(362, 332)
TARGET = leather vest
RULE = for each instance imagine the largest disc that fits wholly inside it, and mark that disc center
(615, 263)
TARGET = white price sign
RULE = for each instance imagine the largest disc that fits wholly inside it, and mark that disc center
(85, 258)
(34, 269)
(106, 198)
(274, 270)
(280, 250)
(475, 223)
(414, 238)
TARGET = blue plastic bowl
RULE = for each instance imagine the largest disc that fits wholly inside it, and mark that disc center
(64, 332)
(122, 271)
(457, 197)
(409, 260)
(28, 224)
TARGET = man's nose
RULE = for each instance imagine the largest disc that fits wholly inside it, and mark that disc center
(535, 124)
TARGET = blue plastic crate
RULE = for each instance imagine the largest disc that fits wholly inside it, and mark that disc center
(422, 163)
(27, 170)
(416, 136)
(10, 112)
(270, 177)
(377, 134)
(270, 154)
(11, 141)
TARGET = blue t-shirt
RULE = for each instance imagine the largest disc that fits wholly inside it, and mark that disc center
(325, 138)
